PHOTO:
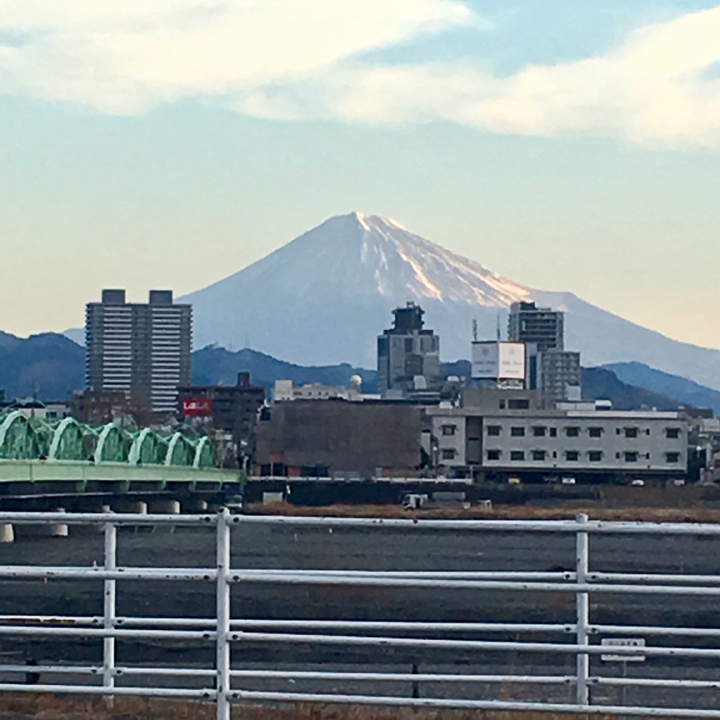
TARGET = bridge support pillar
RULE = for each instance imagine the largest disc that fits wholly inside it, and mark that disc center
(165, 507)
(7, 533)
(139, 507)
(195, 505)
(59, 529)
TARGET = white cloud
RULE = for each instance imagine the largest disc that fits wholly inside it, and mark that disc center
(656, 87)
(299, 59)
(124, 56)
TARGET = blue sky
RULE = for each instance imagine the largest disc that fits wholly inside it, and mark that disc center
(167, 143)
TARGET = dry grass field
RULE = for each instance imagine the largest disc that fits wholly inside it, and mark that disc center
(498, 512)
(23, 706)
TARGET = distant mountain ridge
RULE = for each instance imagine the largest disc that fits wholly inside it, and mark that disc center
(47, 365)
(325, 296)
(686, 391)
(215, 365)
(52, 366)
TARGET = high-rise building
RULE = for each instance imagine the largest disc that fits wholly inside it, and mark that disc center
(408, 355)
(141, 349)
(542, 326)
(557, 373)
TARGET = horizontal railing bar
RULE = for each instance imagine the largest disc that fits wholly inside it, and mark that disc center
(96, 670)
(165, 622)
(306, 578)
(108, 632)
(471, 704)
(61, 669)
(653, 630)
(100, 690)
(655, 682)
(322, 578)
(179, 672)
(421, 575)
(100, 573)
(53, 518)
(53, 620)
(651, 577)
(409, 626)
(569, 648)
(551, 526)
(404, 677)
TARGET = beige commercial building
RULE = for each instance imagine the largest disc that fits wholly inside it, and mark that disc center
(485, 439)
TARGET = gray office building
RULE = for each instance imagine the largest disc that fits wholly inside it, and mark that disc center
(141, 349)
(408, 355)
(541, 326)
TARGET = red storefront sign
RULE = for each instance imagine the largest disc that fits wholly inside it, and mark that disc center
(196, 407)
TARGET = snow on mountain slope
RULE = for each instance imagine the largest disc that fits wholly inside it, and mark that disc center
(325, 296)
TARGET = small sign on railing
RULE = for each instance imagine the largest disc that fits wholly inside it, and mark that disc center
(623, 642)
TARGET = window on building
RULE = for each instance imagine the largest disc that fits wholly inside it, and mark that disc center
(518, 404)
(672, 433)
(493, 454)
(501, 404)
(672, 457)
(631, 457)
(553, 432)
(448, 429)
(595, 432)
(448, 454)
(539, 431)
(572, 431)
(517, 455)
(517, 432)
(493, 430)
(631, 432)
(572, 455)
(408, 345)
(595, 456)
(539, 455)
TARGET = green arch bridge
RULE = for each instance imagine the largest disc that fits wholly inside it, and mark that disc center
(43, 456)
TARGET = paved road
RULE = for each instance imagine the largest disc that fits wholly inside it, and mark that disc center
(284, 547)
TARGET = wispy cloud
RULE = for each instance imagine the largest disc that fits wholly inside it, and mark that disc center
(302, 59)
(125, 56)
(660, 85)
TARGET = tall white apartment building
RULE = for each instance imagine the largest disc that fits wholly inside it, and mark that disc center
(141, 349)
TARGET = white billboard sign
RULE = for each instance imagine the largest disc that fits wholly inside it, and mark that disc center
(493, 360)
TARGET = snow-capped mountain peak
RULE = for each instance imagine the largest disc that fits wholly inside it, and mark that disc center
(325, 296)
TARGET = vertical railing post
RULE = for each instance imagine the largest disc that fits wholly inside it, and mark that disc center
(223, 615)
(583, 611)
(109, 606)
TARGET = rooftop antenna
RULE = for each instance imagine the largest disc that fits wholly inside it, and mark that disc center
(474, 328)
(498, 327)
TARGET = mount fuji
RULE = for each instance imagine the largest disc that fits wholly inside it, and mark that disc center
(325, 296)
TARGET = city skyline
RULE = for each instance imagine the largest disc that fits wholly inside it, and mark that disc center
(585, 135)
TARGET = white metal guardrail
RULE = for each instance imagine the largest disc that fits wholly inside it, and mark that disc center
(223, 681)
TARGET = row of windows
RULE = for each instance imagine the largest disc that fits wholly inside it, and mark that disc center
(573, 455)
(571, 431)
